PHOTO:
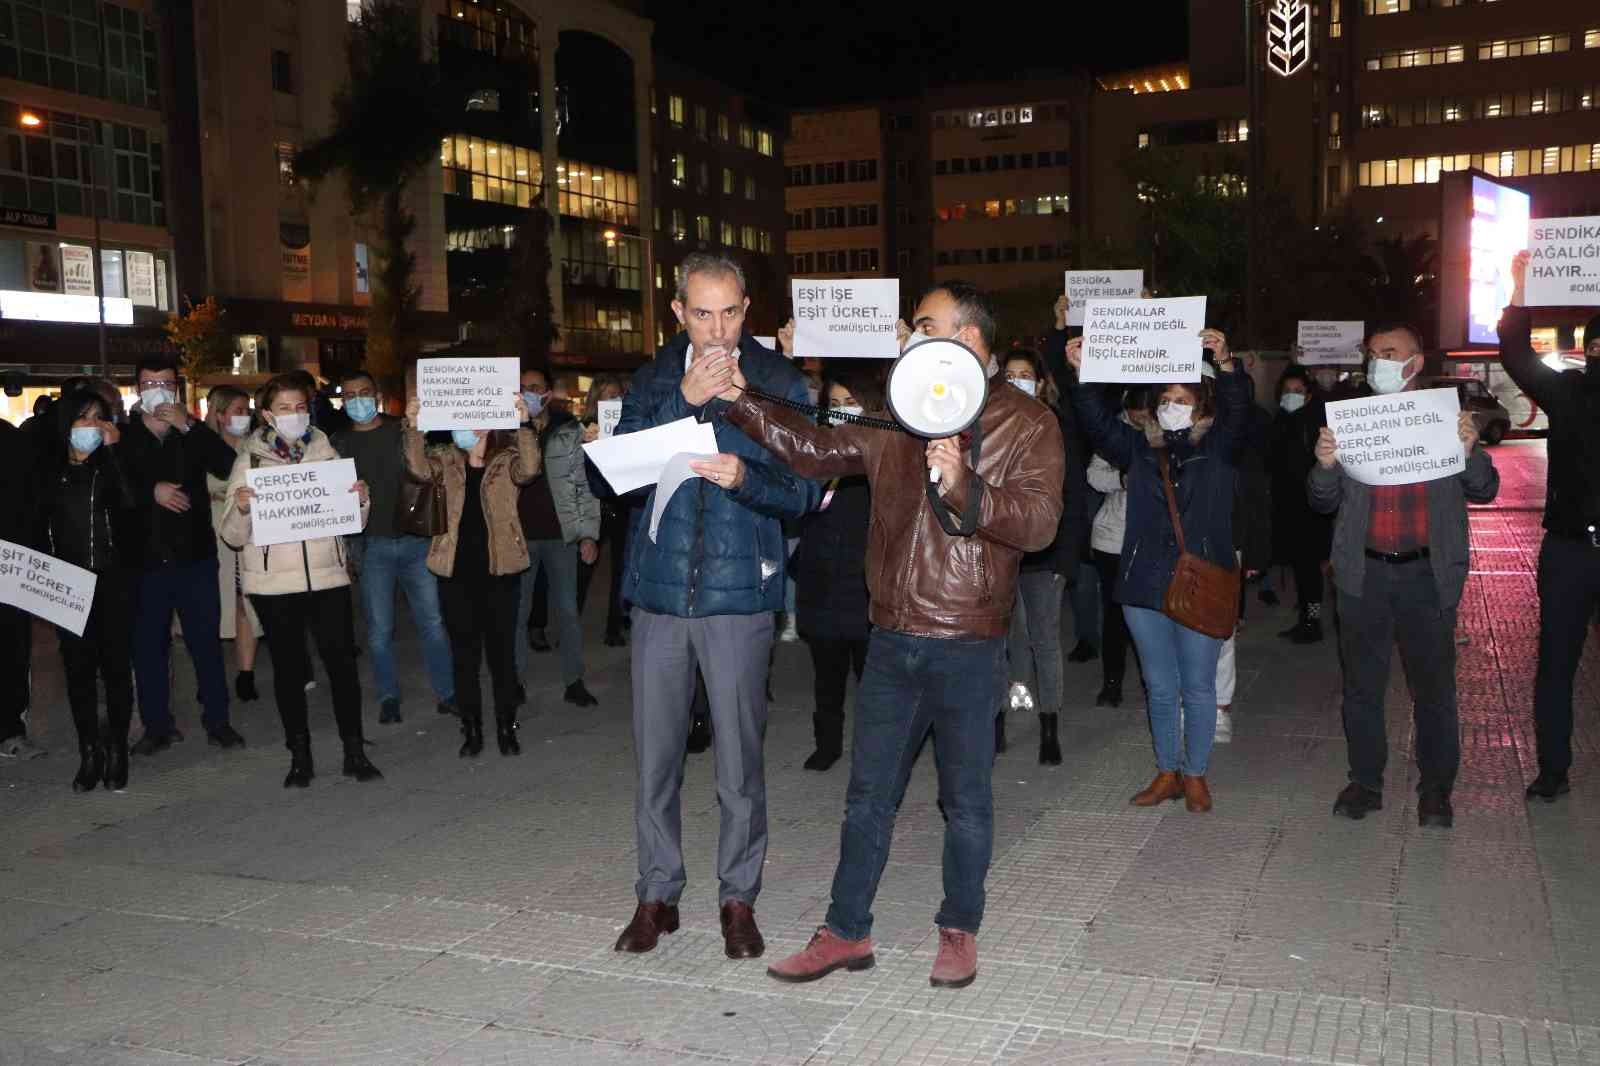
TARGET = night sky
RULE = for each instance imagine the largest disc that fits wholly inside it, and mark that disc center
(827, 52)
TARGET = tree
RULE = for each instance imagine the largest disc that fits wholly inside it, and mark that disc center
(202, 338)
(527, 325)
(1022, 313)
(1403, 276)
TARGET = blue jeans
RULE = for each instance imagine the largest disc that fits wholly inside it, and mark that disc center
(1180, 674)
(559, 560)
(1085, 597)
(191, 590)
(390, 564)
(912, 684)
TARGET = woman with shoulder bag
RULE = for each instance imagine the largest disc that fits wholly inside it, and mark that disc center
(479, 559)
(299, 587)
(1181, 465)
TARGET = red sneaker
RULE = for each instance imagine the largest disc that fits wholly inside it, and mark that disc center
(957, 964)
(825, 954)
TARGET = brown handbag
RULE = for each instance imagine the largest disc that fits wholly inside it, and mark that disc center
(419, 509)
(1201, 595)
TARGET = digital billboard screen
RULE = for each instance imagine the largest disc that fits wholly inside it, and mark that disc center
(1498, 231)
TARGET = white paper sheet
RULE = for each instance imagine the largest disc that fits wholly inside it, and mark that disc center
(673, 475)
(632, 460)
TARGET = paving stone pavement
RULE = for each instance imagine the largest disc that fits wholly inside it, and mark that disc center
(462, 912)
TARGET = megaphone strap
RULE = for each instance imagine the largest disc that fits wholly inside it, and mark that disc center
(814, 411)
(969, 516)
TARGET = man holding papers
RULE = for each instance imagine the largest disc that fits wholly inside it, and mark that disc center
(1400, 563)
(704, 590)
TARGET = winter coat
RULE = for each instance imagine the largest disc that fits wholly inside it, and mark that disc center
(1111, 521)
(85, 511)
(1203, 475)
(503, 476)
(1298, 532)
(561, 444)
(184, 458)
(281, 569)
(1072, 531)
(717, 551)
(1252, 494)
(830, 565)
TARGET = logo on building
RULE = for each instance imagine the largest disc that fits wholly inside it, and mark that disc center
(1288, 36)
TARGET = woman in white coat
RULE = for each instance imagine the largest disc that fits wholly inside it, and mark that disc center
(300, 587)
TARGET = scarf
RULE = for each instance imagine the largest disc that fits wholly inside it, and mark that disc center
(288, 451)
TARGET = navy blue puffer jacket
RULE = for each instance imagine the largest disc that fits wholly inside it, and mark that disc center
(717, 551)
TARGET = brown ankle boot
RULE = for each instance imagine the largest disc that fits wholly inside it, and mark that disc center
(1166, 786)
(1196, 795)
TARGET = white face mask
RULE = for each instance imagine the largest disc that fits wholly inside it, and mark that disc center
(291, 427)
(1292, 401)
(1027, 385)
(238, 425)
(1175, 416)
(1388, 376)
(844, 409)
(150, 399)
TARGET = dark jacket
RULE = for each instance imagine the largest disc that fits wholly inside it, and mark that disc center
(163, 537)
(1080, 502)
(924, 581)
(85, 511)
(1252, 494)
(1572, 400)
(1298, 532)
(717, 551)
(830, 565)
(16, 484)
(1203, 473)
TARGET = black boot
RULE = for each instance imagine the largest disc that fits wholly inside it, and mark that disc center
(1110, 695)
(699, 735)
(244, 686)
(90, 768)
(829, 732)
(116, 768)
(1309, 631)
(300, 771)
(356, 763)
(472, 734)
(999, 732)
(1049, 745)
(505, 734)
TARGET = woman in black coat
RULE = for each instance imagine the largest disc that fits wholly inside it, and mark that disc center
(830, 567)
(83, 504)
(1301, 538)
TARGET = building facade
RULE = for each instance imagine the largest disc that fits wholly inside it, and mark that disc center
(836, 194)
(719, 175)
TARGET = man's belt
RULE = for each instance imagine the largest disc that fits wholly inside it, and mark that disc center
(1396, 558)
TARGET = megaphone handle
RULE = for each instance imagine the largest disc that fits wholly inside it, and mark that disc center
(933, 475)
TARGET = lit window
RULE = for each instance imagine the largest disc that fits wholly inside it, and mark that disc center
(727, 234)
(286, 162)
(764, 242)
(749, 187)
(727, 182)
(764, 143)
(722, 128)
(1591, 38)
(680, 170)
(702, 227)
(747, 136)
(1144, 140)
(747, 238)
(675, 109)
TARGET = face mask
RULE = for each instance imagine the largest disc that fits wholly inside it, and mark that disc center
(85, 438)
(361, 408)
(1292, 401)
(1387, 376)
(150, 399)
(466, 439)
(1175, 416)
(535, 402)
(238, 425)
(1027, 385)
(843, 409)
(292, 427)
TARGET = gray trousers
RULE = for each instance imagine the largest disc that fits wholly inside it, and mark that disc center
(560, 562)
(732, 652)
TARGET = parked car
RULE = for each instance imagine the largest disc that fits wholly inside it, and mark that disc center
(1494, 421)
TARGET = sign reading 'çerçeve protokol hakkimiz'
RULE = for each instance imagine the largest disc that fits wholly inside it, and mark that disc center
(1143, 341)
(303, 501)
(1564, 262)
(1086, 285)
(46, 587)
(1399, 439)
(846, 319)
(1329, 343)
(467, 394)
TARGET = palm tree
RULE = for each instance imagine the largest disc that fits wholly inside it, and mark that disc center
(1403, 280)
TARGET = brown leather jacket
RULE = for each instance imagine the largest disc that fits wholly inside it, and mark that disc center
(507, 471)
(923, 581)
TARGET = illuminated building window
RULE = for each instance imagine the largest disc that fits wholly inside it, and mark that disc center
(702, 227)
(286, 153)
(1515, 48)
(764, 241)
(722, 128)
(675, 109)
(1144, 140)
(727, 182)
(598, 193)
(588, 257)
(1335, 19)
(680, 232)
(749, 188)
(747, 136)
(727, 234)
(1510, 162)
(491, 170)
(764, 143)
(1591, 38)
(489, 28)
(1232, 130)
(680, 170)
(747, 238)
(1402, 58)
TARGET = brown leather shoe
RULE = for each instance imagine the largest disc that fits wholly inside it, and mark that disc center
(1196, 795)
(1166, 786)
(650, 920)
(740, 937)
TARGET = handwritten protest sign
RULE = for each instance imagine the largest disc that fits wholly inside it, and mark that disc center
(1564, 268)
(1330, 343)
(1086, 285)
(467, 394)
(303, 501)
(1399, 439)
(847, 319)
(1143, 341)
(46, 587)
(608, 415)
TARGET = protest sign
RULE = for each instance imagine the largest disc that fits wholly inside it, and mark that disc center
(608, 415)
(467, 394)
(846, 319)
(1564, 263)
(46, 587)
(1399, 439)
(1330, 343)
(1143, 341)
(303, 501)
(1086, 285)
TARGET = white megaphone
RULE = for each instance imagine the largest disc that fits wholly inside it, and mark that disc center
(937, 388)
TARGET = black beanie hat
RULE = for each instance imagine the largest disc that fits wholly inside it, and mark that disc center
(1591, 332)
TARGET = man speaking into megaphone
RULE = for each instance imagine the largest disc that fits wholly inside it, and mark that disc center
(942, 586)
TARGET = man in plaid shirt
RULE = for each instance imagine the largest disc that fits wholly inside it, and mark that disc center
(1399, 558)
